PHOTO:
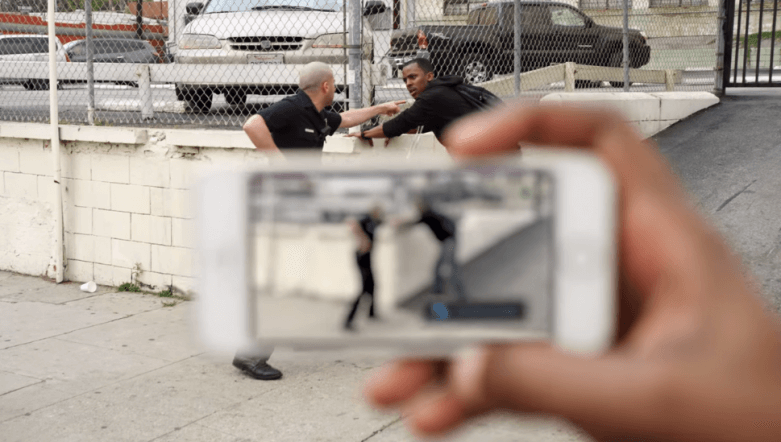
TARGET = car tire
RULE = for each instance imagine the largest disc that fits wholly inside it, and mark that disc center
(236, 97)
(198, 100)
(587, 84)
(36, 85)
(617, 61)
(473, 68)
(179, 93)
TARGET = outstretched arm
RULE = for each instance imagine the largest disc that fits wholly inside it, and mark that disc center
(357, 116)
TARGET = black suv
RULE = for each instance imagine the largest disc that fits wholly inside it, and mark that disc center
(550, 33)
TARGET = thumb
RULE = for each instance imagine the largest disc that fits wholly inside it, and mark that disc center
(595, 392)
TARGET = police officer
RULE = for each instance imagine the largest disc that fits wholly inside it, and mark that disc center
(301, 121)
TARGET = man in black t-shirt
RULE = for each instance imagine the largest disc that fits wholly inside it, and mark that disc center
(301, 121)
(444, 229)
(364, 230)
(437, 104)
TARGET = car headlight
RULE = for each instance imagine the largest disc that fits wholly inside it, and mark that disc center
(199, 41)
(329, 41)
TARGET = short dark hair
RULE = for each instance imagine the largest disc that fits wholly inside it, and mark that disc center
(423, 63)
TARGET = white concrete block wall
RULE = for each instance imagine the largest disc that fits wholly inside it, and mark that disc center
(26, 191)
(126, 207)
(130, 198)
(111, 168)
(650, 113)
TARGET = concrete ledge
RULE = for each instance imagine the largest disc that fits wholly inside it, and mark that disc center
(227, 139)
(122, 135)
(38, 131)
(649, 112)
(423, 144)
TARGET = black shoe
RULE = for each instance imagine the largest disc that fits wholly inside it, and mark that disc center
(349, 327)
(257, 369)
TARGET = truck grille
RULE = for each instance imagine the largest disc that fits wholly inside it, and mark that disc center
(265, 44)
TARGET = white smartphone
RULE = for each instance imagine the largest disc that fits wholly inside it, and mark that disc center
(425, 257)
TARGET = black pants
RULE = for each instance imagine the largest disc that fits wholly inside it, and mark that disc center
(367, 284)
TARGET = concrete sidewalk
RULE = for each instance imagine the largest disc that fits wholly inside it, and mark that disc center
(110, 366)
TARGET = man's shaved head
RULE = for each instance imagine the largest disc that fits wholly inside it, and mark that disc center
(313, 75)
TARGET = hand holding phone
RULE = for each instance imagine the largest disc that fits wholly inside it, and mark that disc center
(698, 357)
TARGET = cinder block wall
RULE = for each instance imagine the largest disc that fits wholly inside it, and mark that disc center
(127, 208)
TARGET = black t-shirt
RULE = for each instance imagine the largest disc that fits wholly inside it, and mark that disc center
(368, 225)
(295, 123)
(442, 226)
(434, 109)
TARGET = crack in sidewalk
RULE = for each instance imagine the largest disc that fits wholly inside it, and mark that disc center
(383, 428)
(735, 195)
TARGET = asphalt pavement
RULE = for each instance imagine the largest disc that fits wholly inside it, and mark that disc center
(729, 158)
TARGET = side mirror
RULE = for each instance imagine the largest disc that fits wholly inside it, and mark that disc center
(194, 8)
(374, 7)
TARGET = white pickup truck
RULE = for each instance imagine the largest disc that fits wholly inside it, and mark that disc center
(280, 35)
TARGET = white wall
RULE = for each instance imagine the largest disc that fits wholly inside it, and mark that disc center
(125, 203)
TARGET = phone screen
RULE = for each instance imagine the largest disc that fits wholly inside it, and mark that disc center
(463, 253)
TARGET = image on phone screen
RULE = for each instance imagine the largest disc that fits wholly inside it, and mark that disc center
(399, 254)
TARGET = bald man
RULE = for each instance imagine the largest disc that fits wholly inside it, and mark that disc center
(301, 121)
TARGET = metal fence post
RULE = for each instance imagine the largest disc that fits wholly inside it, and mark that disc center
(626, 45)
(517, 47)
(721, 59)
(90, 67)
(139, 20)
(145, 92)
(54, 127)
(569, 76)
(354, 45)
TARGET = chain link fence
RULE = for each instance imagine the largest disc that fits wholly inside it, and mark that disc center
(217, 62)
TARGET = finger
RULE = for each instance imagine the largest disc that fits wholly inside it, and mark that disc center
(602, 131)
(399, 102)
(434, 411)
(539, 378)
(398, 382)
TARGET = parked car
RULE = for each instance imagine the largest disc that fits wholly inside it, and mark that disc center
(16, 48)
(113, 50)
(281, 34)
(550, 33)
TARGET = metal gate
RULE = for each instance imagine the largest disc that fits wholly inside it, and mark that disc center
(752, 49)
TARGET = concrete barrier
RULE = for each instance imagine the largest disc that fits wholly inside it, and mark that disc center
(650, 112)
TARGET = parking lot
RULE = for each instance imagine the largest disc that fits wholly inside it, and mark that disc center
(120, 104)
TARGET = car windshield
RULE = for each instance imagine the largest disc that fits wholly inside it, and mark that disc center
(215, 6)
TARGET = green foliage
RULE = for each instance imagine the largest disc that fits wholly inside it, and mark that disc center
(129, 287)
(753, 39)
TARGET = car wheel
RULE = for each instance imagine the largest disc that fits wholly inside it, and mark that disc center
(179, 93)
(236, 97)
(36, 85)
(587, 84)
(199, 100)
(617, 61)
(473, 69)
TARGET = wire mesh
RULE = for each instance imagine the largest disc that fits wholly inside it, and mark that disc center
(215, 63)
